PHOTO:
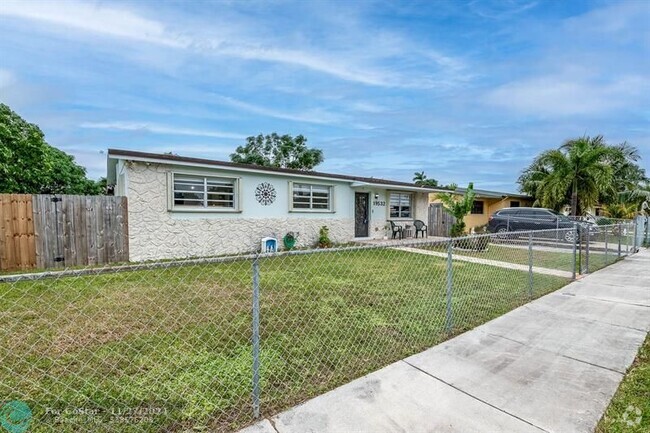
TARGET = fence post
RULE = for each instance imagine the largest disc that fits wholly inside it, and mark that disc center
(606, 246)
(627, 239)
(587, 252)
(256, 338)
(450, 271)
(619, 240)
(530, 265)
(636, 230)
(575, 242)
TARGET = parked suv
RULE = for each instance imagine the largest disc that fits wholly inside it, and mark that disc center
(529, 218)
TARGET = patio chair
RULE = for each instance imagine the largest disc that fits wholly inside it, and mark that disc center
(396, 229)
(420, 226)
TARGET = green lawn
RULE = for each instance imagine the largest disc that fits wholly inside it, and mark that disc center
(175, 343)
(560, 260)
(629, 410)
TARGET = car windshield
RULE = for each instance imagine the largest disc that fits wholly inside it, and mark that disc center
(560, 216)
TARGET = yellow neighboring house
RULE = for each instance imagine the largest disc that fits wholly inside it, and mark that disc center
(486, 203)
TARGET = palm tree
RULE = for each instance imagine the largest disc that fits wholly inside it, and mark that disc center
(621, 210)
(419, 177)
(531, 180)
(627, 177)
(579, 170)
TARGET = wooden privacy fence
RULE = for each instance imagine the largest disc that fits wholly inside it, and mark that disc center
(17, 238)
(440, 221)
(56, 231)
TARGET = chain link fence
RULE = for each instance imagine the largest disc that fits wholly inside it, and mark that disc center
(211, 344)
(602, 245)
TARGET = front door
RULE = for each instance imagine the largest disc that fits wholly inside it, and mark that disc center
(361, 201)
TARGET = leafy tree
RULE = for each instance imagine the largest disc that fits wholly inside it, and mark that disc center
(620, 209)
(420, 179)
(581, 172)
(29, 165)
(459, 207)
(636, 195)
(278, 151)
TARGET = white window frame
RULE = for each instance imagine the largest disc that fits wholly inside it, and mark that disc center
(330, 208)
(411, 205)
(171, 206)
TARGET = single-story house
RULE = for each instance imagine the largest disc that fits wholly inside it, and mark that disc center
(486, 203)
(191, 207)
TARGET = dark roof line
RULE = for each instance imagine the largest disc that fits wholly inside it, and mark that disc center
(494, 194)
(217, 163)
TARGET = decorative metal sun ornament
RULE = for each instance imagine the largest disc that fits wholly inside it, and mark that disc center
(265, 193)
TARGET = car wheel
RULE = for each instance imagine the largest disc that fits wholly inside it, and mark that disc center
(502, 231)
(569, 236)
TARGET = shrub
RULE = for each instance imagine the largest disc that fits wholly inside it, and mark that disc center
(458, 207)
(604, 222)
(324, 238)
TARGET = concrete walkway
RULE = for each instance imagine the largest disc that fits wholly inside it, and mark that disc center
(549, 366)
(458, 256)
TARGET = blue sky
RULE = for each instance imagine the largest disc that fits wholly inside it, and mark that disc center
(466, 91)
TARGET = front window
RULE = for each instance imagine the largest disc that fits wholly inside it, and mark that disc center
(204, 192)
(311, 197)
(477, 207)
(400, 205)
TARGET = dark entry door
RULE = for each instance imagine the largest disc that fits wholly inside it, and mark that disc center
(361, 202)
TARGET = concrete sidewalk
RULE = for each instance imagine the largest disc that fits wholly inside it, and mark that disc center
(549, 366)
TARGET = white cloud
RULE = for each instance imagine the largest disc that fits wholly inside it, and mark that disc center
(558, 95)
(318, 116)
(6, 78)
(367, 107)
(236, 40)
(160, 129)
(95, 18)
(501, 9)
(317, 62)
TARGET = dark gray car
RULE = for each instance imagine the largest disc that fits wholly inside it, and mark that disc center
(530, 218)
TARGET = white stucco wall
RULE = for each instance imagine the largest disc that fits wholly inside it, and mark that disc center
(155, 232)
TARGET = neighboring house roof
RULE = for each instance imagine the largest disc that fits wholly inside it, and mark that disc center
(483, 193)
(164, 158)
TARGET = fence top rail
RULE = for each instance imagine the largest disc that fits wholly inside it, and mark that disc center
(105, 269)
(595, 219)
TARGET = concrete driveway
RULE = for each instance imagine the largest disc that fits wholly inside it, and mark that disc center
(549, 366)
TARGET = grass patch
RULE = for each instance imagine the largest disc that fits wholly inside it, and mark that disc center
(518, 254)
(175, 343)
(631, 403)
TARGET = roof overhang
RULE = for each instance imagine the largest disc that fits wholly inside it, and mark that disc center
(116, 155)
(395, 187)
